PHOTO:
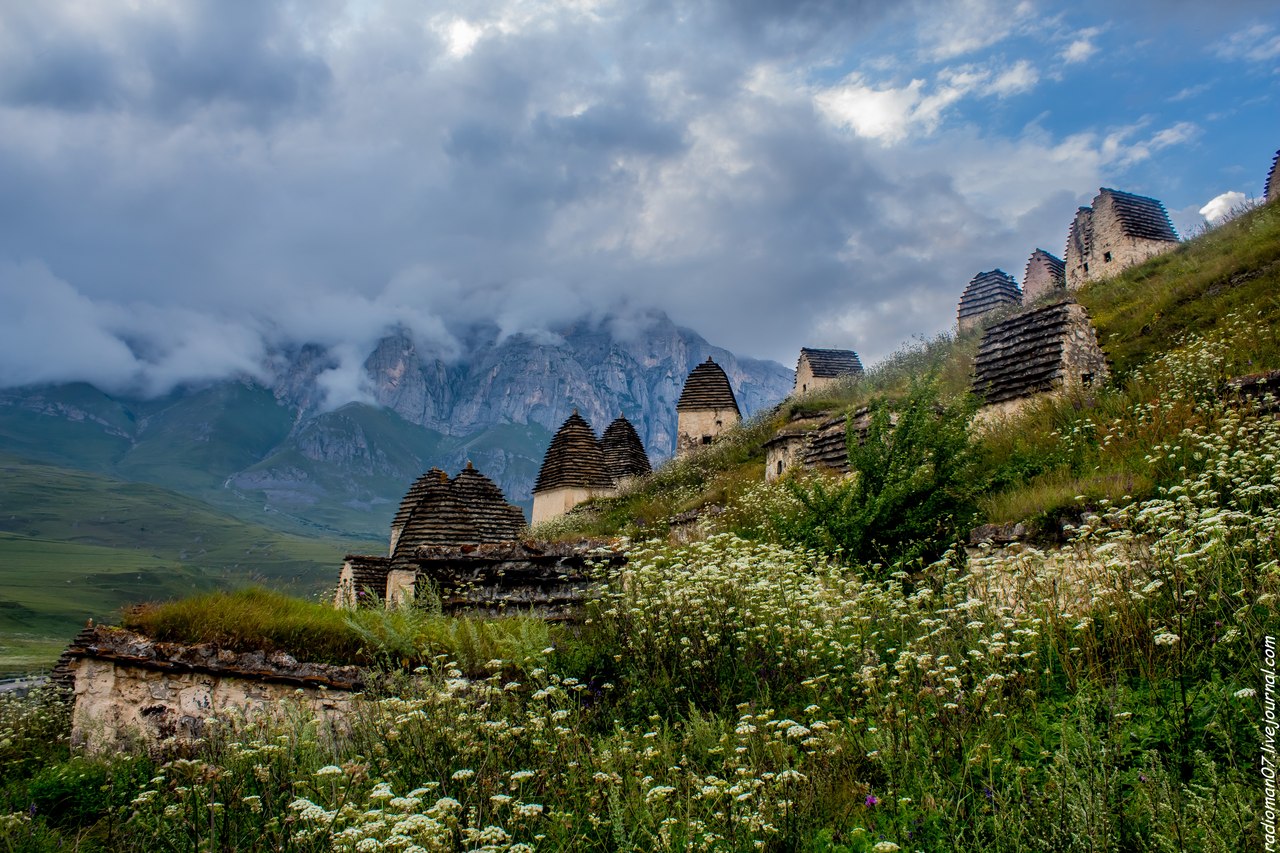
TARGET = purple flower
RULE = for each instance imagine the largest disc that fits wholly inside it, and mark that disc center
(1142, 777)
(871, 799)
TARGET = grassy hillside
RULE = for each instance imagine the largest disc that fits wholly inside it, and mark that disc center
(75, 545)
(820, 670)
(1220, 290)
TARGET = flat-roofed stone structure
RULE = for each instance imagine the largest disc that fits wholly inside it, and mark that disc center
(1271, 190)
(1116, 232)
(987, 292)
(127, 686)
(624, 454)
(783, 452)
(818, 367)
(1046, 274)
(1041, 351)
(573, 470)
(706, 407)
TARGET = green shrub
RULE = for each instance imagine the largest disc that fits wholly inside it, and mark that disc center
(910, 494)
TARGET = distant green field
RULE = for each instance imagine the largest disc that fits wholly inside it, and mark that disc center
(76, 545)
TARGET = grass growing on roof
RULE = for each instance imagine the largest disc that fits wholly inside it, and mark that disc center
(260, 619)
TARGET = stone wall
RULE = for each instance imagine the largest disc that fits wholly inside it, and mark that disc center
(699, 427)
(554, 503)
(1047, 350)
(1107, 237)
(129, 688)
(547, 579)
(782, 453)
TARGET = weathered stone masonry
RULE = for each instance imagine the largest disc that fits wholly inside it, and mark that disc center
(1044, 350)
(127, 686)
(1117, 231)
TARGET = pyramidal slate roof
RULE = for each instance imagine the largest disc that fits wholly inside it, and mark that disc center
(624, 454)
(469, 509)
(987, 292)
(1272, 188)
(574, 459)
(707, 388)
(1140, 216)
(1022, 355)
(831, 363)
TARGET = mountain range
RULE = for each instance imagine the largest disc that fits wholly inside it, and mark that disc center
(279, 451)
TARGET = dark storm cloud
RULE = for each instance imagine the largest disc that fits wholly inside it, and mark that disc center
(188, 186)
(239, 54)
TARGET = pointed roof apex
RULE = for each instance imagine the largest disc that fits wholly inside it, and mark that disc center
(706, 389)
(470, 467)
(574, 459)
(624, 454)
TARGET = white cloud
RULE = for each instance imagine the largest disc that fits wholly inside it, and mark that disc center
(1255, 43)
(1082, 46)
(1220, 206)
(1022, 77)
(883, 114)
(967, 26)
(889, 114)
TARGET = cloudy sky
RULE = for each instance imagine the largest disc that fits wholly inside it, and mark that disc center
(185, 185)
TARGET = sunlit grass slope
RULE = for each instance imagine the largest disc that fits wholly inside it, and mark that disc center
(76, 545)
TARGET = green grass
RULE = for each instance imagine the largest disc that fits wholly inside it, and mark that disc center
(76, 545)
(1234, 268)
(260, 619)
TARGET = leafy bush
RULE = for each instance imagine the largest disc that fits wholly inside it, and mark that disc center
(910, 493)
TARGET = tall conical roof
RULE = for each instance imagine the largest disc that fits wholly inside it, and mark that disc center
(468, 510)
(988, 291)
(574, 459)
(831, 363)
(1271, 190)
(624, 454)
(707, 388)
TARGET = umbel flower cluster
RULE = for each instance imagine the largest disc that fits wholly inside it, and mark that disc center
(739, 694)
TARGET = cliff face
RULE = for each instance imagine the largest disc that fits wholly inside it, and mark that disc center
(282, 451)
(589, 366)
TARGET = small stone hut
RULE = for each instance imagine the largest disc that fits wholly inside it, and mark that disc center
(1045, 275)
(1271, 190)
(1117, 231)
(624, 454)
(706, 407)
(573, 470)
(783, 452)
(987, 291)
(437, 511)
(818, 367)
(1043, 350)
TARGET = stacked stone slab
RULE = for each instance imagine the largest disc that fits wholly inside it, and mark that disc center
(818, 367)
(468, 510)
(987, 292)
(1044, 350)
(1271, 191)
(1045, 275)
(706, 407)
(573, 470)
(1116, 232)
(624, 455)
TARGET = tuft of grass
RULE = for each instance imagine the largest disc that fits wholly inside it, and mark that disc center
(260, 619)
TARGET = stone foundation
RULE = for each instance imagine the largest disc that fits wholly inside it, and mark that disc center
(130, 689)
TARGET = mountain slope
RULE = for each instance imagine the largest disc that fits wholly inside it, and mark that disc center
(279, 454)
(77, 545)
